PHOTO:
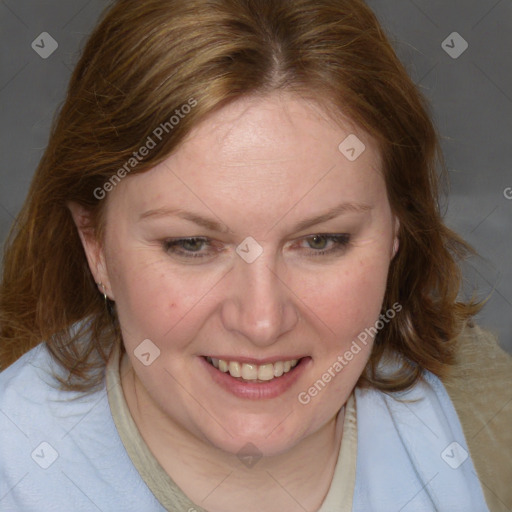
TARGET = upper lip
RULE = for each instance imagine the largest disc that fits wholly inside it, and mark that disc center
(255, 360)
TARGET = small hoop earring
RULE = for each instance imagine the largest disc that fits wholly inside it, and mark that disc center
(109, 305)
(104, 291)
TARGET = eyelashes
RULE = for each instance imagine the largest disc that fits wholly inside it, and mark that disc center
(316, 245)
(323, 244)
(188, 247)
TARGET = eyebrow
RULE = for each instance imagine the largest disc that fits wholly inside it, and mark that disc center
(209, 224)
(214, 225)
(332, 214)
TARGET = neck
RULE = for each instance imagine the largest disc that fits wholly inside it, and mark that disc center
(219, 481)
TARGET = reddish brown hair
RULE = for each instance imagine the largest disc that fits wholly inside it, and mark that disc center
(146, 59)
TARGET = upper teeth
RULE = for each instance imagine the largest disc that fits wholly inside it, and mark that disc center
(249, 371)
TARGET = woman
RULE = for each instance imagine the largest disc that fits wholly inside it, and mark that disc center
(233, 253)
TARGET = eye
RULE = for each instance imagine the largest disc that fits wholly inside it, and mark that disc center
(318, 242)
(324, 244)
(192, 244)
(193, 247)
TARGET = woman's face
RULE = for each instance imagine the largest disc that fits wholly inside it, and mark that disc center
(259, 242)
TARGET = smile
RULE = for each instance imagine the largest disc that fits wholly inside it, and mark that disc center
(251, 371)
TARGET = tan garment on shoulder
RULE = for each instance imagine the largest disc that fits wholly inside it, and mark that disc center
(480, 387)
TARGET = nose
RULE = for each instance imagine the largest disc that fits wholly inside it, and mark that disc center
(258, 305)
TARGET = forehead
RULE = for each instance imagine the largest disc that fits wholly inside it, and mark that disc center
(260, 151)
(277, 128)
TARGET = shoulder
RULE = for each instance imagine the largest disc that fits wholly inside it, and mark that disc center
(481, 379)
(30, 395)
(479, 350)
(61, 449)
(480, 387)
(25, 384)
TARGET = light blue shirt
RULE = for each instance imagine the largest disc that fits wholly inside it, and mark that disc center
(59, 451)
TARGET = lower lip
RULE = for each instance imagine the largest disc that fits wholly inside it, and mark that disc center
(257, 390)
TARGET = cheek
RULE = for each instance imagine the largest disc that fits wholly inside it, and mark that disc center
(348, 299)
(156, 302)
(346, 305)
(146, 300)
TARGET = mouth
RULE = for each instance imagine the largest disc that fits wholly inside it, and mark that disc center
(253, 372)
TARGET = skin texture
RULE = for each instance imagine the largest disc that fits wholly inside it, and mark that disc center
(257, 167)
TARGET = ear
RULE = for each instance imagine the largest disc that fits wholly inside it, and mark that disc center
(93, 247)
(396, 240)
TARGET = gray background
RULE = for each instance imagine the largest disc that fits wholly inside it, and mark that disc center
(471, 98)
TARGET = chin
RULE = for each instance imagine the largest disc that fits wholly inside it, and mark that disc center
(263, 436)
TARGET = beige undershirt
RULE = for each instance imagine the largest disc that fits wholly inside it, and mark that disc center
(172, 498)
